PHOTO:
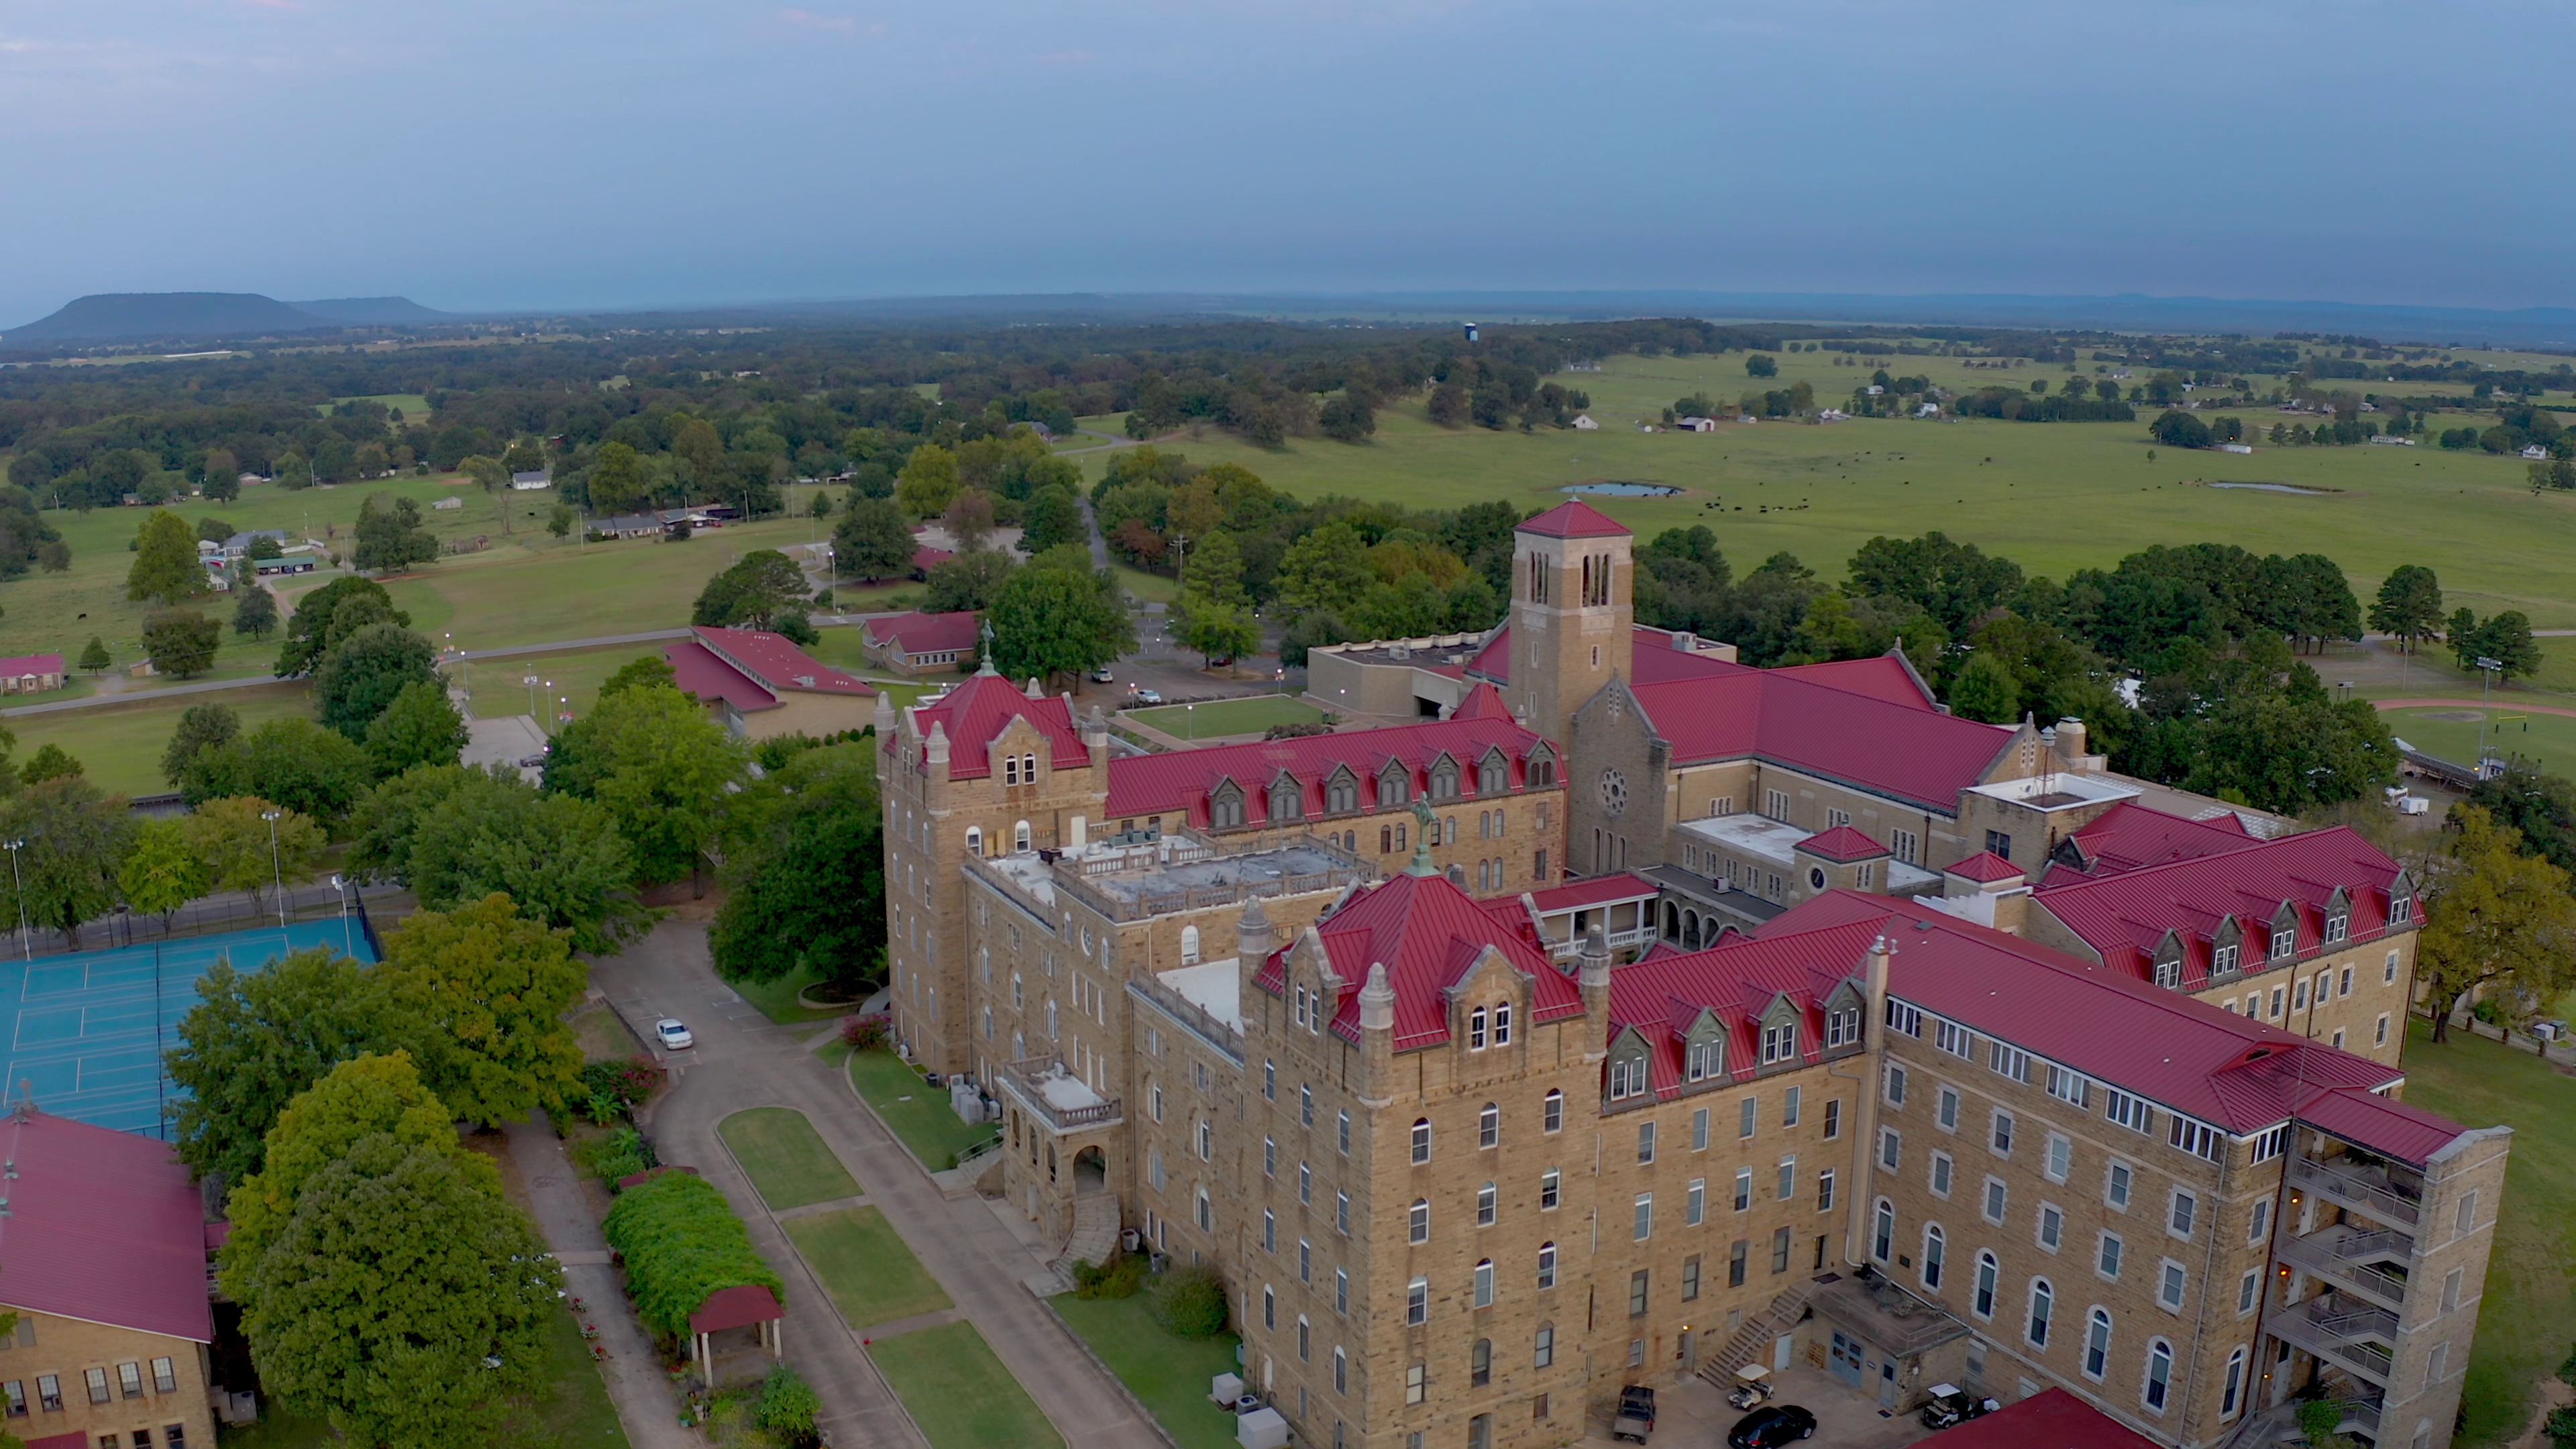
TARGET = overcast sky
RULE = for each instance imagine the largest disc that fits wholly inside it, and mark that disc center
(545, 153)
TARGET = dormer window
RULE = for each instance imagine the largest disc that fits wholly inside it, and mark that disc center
(2401, 909)
(1394, 787)
(1627, 1076)
(1476, 1030)
(1706, 1058)
(2285, 942)
(1503, 1024)
(2169, 972)
(1542, 770)
(1342, 794)
(1225, 807)
(1493, 777)
(1779, 1043)
(2223, 959)
(2338, 927)
(1444, 780)
(1287, 800)
(1842, 1026)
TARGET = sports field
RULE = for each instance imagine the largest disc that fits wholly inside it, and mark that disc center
(87, 1030)
(119, 745)
(1247, 716)
(2053, 496)
(2451, 732)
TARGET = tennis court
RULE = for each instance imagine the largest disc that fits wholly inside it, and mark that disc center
(87, 1030)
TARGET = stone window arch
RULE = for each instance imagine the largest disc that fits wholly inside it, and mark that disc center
(1444, 779)
(1287, 799)
(1225, 806)
(1020, 836)
(1394, 786)
(1493, 774)
(1542, 768)
(1189, 945)
(1342, 792)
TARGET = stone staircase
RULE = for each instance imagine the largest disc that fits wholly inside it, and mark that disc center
(1095, 1231)
(1754, 1339)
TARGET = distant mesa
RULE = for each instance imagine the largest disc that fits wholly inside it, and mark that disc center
(111, 316)
(1618, 488)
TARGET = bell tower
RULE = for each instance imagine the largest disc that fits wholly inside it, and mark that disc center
(1572, 614)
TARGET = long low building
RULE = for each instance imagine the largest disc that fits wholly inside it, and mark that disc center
(760, 685)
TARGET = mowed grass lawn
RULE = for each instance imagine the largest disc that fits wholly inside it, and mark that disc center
(786, 1160)
(573, 1412)
(917, 1111)
(2527, 1319)
(2054, 497)
(959, 1393)
(864, 1265)
(1247, 716)
(119, 745)
(2549, 739)
(1171, 1375)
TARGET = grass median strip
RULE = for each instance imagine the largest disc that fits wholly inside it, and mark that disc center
(917, 1111)
(959, 1393)
(865, 1266)
(786, 1159)
(1170, 1375)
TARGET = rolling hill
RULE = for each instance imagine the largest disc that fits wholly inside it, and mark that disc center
(113, 316)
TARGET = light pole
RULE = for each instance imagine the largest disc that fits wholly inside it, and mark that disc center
(340, 884)
(2486, 680)
(531, 683)
(276, 863)
(26, 947)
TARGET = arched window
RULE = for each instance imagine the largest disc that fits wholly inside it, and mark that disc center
(1542, 771)
(1395, 787)
(1552, 1111)
(1476, 1030)
(1343, 794)
(1225, 807)
(2043, 1303)
(1882, 1239)
(1480, 1364)
(1189, 945)
(1417, 1222)
(1287, 800)
(2233, 1399)
(1493, 777)
(1547, 1265)
(1421, 1140)
(2097, 1344)
(1986, 1271)
(1627, 1076)
(974, 840)
(2159, 1375)
(1444, 781)
(1503, 1024)
(1020, 836)
(1489, 1125)
(1485, 1283)
(988, 1023)
(1935, 1252)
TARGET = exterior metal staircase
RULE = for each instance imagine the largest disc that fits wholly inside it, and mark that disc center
(1754, 1338)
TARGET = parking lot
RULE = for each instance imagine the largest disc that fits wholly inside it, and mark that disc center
(1695, 1413)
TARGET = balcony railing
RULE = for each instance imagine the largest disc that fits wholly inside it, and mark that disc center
(1617, 941)
(2358, 1356)
(1222, 1035)
(2370, 1192)
(1048, 1090)
(2327, 1255)
(2358, 1414)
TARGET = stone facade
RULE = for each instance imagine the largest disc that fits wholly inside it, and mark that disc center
(107, 1383)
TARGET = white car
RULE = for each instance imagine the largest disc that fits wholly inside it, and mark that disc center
(674, 1034)
(1149, 696)
(1103, 676)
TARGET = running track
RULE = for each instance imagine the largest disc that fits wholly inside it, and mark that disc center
(2468, 704)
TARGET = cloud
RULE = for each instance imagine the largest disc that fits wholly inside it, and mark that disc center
(811, 21)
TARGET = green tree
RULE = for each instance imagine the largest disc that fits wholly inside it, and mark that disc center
(419, 728)
(1214, 573)
(662, 769)
(181, 642)
(1307, 632)
(969, 519)
(970, 581)
(1761, 364)
(75, 837)
(2409, 605)
(255, 611)
(928, 481)
(872, 541)
(2180, 430)
(1053, 516)
(390, 535)
(161, 871)
(641, 673)
(483, 991)
(752, 593)
(263, 548)
(808, 891)
(165, 561)
(2499, 921)
(1048, 621)
(294, 762)
(202, 727)
(50, 762)
(1986, 690)
(243, 850)
(559, 520)
(2506, 639)
(457, 835)
(330, 614)
(1411, 607)
(695, 442)
(95, 657)
(617, 481)
(362, 674)
(1221, 631)
(1326, 570)
(256, 1040)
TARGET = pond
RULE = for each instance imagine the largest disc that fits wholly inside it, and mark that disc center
(2281, 488)
(1613, 489)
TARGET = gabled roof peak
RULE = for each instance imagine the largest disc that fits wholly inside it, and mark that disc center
(1574, 520)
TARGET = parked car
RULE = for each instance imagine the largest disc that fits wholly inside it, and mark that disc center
(1149, 696)
(674, 1034)
(1951, 1404)
(1771, 1427)
(1636, 1414)
(1102, 675)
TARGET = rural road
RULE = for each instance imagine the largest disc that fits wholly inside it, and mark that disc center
(743, 1060)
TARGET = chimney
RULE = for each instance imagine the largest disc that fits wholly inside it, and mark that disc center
(2071, 740)
(1254, 938)
(1865, 1142)
(1377, 1039)
(1592, 973)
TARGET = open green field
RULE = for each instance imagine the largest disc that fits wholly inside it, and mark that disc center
(573, 1413)
(1246, 716)
(2548, 739)
(917, 1112)
(2528, 1317)
(119, 746)
(414, 406)
(1169, 1374)
(864, 1265)
(959, 1393)
(2054, 497)
(786, 1160)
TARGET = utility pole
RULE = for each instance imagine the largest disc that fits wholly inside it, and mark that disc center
(2486, 681)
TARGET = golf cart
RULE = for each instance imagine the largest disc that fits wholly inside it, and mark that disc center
(1951, 1405)
(1752, 1386)
(1636, 1417)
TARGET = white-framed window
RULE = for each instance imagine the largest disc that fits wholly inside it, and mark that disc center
(2127, 1111)
(1552, 1112)
(1891, 1148)
(2052, 1226)
(1744, 1189)
(2001, 1139)
(2388, 971)
(1484, 1283)
(1646, 1142)
(1998, 1199)
(1936, 1250)
(2159, 1380)
(1489, 1125)
(1417, 1311)
(1842, 1026)
(1695, 1202)
(1882, 1237)
(1895, 1084)
(1645, 1216)
(1982, 1303)
(1417, 1221)
(1703, 1058)
(1627, 1077)
(1748, 1114)
(2249, 1291)
(1421, 1141)
(2106, 1256)
(2097, 1343)
(2232, 1397)
(1900, 1018)
(2006, 1061)
(2268, 1145)
(2061, 1157)
(2043, 1311)
(1547, 1265)
(1947, 1111)
(2223, 959)
(2184, 1214)
(1548, 1189)
(1699, 1130)
(1942, 1170)
(1779, 1043)
(1486, 1200)
(2172, 1283)
(2117, 1181)
(2072, 1087)
(1788, 1178)
(1825, 1191)
(1955, 1039)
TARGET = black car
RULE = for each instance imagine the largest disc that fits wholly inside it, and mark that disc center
(1768, 1428)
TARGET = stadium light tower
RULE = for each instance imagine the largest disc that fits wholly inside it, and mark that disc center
(2486, 680)
(26, 947)
(275, 863)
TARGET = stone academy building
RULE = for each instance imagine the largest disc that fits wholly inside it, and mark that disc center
(1928, 1050)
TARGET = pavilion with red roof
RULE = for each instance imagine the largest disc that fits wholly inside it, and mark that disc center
(760, 685)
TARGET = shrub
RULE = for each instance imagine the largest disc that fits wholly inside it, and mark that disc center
(2317, 1420)
(682, 1243)
(622, 1153)
(2567, 1370)
(865, 1033)
(1190, 1302)
(627, 1084)
(2560, 1427)
(788, 1406)
(1120, 1277)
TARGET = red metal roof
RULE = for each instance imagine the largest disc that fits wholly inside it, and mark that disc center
(1842, 843)
(920, 633)
(2388, 1127)
(2052, 1419)
(102, 1226)
(2126, 917)
(2131, 836)
(73, 1440)
(1180, 781)
(1655, 659)
(1734, 983)
(977, 711)
(925, 559)
(1907, 754)
(2229, 1071)
(775, 661)
(1483, 701)
(1984, 867)
(18, 665)
(1598, 891)
(1887, 677)
(1428, 933)
(1574, 519)
(701, 673)
(737, 1307)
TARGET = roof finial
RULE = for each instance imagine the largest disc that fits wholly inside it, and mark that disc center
(985, 628)
(1422, 864)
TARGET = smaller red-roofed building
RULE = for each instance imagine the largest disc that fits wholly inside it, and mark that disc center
(103, 1256)
(737, 1334)
(31, 673)
(1621, 907)
(916, 643)
(759, 685)
(2050, 1419)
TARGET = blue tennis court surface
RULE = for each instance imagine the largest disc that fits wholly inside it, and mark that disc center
(87, 1031)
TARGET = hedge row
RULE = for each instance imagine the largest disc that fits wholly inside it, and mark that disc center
(682, 1243)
